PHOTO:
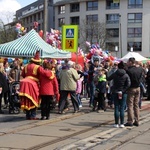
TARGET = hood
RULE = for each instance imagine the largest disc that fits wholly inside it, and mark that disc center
(120, 72)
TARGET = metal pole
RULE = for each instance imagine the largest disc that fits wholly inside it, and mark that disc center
(45, 17)
(120, 35)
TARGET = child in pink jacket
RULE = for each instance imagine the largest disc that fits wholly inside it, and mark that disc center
(78, 91)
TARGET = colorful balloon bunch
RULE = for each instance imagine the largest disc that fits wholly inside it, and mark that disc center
(20, 30)
(95, 52)
(54, 38)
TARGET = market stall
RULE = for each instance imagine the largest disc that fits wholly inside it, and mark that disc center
(27, 45)
(136, 55)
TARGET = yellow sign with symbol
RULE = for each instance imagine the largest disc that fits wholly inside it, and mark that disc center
(70, 38)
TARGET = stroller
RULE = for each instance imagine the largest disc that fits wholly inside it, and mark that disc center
(14, 102)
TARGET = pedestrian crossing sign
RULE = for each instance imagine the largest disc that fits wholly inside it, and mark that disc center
(69, 33)
(70, 38)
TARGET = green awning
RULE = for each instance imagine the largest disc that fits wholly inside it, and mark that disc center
(27, 45)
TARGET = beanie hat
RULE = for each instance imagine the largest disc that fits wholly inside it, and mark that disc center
(36, 58)
(121, 65)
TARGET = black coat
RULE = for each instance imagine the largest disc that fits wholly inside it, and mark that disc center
(121, 81)
(3, 83)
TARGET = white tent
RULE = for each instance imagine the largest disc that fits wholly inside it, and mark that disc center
(137, 57)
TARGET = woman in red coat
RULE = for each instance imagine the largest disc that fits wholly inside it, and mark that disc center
(48, 88)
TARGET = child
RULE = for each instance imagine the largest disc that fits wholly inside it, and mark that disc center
(15, 93)
(100, 91)
(79, 84)
(78, 91)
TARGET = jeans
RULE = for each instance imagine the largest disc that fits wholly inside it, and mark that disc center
(92, 89)
(119, 107)
(79, 99)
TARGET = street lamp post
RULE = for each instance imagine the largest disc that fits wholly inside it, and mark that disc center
(131, 49)
(45, 17)
(120, 36)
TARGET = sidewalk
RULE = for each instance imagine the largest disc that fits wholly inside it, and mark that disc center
(59, 131)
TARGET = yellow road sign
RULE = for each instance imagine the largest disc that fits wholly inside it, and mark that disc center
(70, 38)
(70, 43)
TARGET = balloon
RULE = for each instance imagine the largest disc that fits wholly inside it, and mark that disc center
(22, 28)
(18, 25)
(25, 61)
(10, 60)
(35, 24)
(41, 33)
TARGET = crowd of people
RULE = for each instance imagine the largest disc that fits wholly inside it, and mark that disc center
(121, 84)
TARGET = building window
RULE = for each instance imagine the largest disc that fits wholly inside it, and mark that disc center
(112, 32)
(135, 18)
(61, 9)
(27, 20)
(112, 4)
(39, 27)
(30, 19)
(112, 18)
(91, 18)
(111, 46)
(92, 5)
(42, 15)
(135, 3)
(61, 22)
(74, 7)
(39, 16)
(137, 46)
(91, 34)
(134, 32)
(74, 20)
(34, 17)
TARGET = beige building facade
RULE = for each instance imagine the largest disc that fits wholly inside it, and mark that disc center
(127, 21)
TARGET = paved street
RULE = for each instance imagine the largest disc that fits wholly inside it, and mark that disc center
(82, 131)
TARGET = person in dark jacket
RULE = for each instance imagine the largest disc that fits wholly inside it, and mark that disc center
(3, 89)
(119, 89)
(135, 73)
(91, 73)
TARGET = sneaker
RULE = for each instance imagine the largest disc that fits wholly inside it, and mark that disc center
(128, 124)
(122, 126)
(80, 106)
(136, 124)
(98, 111)
(116, 126)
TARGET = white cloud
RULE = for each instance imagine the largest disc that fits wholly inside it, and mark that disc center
(8, 9)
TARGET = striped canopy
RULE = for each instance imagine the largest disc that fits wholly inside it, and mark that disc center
(27, 45)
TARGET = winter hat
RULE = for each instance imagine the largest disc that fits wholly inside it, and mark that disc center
(36, 58)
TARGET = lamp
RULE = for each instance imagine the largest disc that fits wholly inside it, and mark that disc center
(131, 49)
(116, 50)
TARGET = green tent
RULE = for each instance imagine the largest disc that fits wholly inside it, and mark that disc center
(27, 45)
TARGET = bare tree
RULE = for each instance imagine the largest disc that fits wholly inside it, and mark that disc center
(94, 32)
(7, 31)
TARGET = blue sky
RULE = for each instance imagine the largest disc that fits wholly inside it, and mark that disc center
(24, 3)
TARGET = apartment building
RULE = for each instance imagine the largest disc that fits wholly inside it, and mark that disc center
(127, 21)
(35, 13)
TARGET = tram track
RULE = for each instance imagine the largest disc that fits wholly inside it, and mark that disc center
(58, 119)
(55, 141)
